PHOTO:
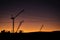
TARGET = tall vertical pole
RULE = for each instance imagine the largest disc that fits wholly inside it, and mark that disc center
(13, 25)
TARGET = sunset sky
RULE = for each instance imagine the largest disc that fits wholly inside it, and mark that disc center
(35, 14)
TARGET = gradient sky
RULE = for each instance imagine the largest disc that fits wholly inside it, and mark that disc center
(35, 14)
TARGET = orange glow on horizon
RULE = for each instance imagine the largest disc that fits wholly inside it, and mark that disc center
(31, 26)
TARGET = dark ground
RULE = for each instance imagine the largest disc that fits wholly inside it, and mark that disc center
(31, 36)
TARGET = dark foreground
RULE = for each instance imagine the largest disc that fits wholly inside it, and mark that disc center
(30, 36)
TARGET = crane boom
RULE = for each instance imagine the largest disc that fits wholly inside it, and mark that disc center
(19, 25)
(19, 13)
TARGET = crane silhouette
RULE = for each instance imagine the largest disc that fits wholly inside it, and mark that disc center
(41, 27)
(13, 18)
(19, 25)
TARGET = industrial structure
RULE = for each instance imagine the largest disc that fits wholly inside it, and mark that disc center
(13, 18)
(19, 25)
(41, 27)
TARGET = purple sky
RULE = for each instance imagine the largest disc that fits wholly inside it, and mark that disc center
(34, 11)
